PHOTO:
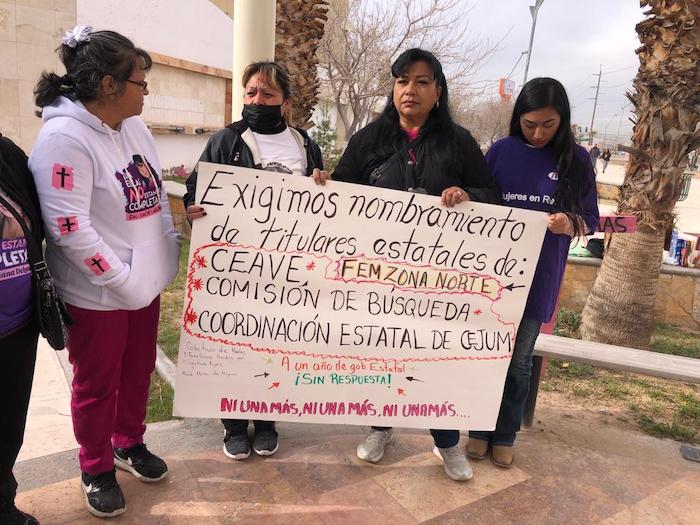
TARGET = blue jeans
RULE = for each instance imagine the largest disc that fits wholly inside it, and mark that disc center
(442, 438)
(516, 388)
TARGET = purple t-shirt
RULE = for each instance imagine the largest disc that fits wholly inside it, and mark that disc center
(15, 274)
(528, 179)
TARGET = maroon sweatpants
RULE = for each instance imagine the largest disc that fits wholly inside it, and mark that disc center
(113, 354)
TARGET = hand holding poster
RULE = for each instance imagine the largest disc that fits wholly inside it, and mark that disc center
(349, 304)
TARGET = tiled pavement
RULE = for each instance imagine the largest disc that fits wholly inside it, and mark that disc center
(572, 467)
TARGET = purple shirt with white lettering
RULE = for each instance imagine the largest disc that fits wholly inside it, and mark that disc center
(15, 274)
(528, 179)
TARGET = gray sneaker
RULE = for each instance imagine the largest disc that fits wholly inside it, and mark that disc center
(457, 466)
(372, 448)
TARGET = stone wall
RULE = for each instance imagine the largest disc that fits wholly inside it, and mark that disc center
(183, 98)
(186, 104)
(677, 298)
(30, 31)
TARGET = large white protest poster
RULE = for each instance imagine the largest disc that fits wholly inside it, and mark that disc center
(349, 304)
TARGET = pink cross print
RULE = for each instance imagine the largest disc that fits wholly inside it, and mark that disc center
(62, 177)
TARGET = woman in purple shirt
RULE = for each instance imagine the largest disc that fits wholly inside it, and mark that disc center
(541, 161)
(18, 328)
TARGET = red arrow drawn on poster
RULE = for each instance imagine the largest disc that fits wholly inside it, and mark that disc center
(274, 385)
(401, 392)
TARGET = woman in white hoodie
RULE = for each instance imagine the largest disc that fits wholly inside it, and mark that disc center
(111, 246)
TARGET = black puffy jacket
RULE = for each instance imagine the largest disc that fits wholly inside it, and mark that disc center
(378, 156)
(227, 147)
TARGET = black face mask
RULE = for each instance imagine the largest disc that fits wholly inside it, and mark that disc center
(264, 119)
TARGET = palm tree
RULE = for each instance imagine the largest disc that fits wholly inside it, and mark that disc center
(666, 99)
(299, 30)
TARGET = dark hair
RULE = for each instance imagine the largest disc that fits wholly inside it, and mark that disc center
(106, 53)
(440, 114)
(273, 72)
(540, 93)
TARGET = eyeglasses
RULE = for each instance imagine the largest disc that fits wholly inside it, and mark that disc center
(142, 83)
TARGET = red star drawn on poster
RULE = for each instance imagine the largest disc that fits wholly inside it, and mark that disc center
(200, 261)
(197, 284)
(311, 266)
(190, 316)
(477, 312)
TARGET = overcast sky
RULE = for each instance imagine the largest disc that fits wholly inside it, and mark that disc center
(573, 38)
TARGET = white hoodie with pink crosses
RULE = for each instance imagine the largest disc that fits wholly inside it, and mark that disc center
(111, 244)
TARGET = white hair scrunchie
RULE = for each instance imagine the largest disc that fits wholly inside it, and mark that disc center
(77, 35)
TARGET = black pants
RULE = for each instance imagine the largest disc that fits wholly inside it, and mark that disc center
(17, 358)
(240, 426)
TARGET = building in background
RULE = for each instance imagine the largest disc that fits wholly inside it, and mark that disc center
(189, 86)
(191, 42)
(29, 34)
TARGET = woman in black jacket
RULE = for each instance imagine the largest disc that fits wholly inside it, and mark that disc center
(262, 140)
(266, 104)
(18, 328)
(414, 145)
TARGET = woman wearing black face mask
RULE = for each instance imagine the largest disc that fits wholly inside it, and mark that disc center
(262, 140)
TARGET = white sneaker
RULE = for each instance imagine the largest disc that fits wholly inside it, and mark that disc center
(457, 466)
(372, 448)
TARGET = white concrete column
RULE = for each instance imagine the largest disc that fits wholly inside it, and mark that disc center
(253, 40)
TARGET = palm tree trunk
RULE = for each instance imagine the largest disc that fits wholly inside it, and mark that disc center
(620, 306)
(299, 29)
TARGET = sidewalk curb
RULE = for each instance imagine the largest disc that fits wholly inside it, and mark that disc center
(165, 367)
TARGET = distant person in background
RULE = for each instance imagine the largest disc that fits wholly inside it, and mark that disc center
(605, 157)
(594, 153)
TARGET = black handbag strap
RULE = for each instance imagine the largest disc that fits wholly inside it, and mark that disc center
(35, 257)
(55, 329)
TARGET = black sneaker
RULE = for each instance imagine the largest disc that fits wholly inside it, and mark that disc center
(11, 515)
(236, 446)
(103, 496)
(265, 442)
(141, 463)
